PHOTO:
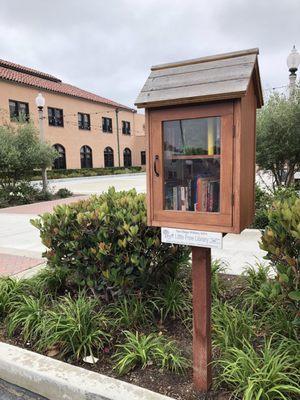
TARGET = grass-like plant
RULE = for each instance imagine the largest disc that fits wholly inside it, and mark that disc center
(75, 326)
(142, 350)
(49, 281)
(217, 267)
(172, 300)
(130, 312)
(230, 325)
(272, 373)
(11, 290)
(26, 316)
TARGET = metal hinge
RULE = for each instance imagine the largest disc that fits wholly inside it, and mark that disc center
(232, 199)
(233, 131)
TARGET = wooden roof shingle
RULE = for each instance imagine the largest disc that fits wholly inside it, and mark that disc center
(223, 76)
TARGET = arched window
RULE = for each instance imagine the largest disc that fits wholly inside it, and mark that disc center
(86, 157)
(108, 157)
(60, 161)
(127, 157)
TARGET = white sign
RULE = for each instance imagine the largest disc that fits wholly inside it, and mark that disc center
(192, 238)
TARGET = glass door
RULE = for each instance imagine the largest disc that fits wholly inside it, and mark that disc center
(192, 164)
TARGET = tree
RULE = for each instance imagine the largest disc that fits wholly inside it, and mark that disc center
(278, 137)
(21, 153)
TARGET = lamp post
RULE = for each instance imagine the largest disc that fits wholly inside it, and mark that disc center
(293, 62)
(40, 103)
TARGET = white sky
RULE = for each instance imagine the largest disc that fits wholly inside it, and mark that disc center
(107, 47)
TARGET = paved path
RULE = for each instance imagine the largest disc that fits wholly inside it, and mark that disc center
(21, 248)
(12, 392)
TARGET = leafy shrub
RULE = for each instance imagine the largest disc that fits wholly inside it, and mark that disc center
(11, 290)
(74, 173)
(131, 311)
(281, 240)
(105, 243)
(172, 300)
(231, 325)
(63, 193)
(26, 315)
(270, 374)
(75, 327)
(142, 350)
(262, 202)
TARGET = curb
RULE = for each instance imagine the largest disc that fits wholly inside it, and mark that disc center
(56, 380)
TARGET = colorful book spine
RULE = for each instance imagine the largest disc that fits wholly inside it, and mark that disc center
(210, 136)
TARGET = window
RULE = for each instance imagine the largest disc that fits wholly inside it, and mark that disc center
(84, 121)
(106, 124)
(143, 158)
(55, 116)
(18, 110)
(126, 127)
(127, 157)
(86, 157)
(60, 161)
(108, 157)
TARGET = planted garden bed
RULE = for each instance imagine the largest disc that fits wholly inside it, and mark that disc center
(112, 291)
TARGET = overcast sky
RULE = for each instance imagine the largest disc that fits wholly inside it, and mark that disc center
(107, 47)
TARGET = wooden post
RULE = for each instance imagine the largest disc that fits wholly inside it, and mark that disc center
(201, 274)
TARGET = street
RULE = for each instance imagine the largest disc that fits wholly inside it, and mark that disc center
(12, 392)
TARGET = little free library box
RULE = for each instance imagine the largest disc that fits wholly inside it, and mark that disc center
(200, 124)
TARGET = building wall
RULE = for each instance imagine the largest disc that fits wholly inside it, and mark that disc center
(70, 136)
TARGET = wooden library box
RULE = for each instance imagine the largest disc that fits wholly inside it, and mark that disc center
(200, 126)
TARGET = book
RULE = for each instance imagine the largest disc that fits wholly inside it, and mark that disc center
(210, 136)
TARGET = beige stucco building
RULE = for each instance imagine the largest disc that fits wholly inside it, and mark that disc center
(87, 129)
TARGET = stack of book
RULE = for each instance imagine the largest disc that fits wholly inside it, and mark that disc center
(200, 194)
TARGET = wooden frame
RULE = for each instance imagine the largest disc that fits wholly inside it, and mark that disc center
(237, 201)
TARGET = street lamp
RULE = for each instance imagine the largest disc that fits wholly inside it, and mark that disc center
(40, 103)
(293, 62)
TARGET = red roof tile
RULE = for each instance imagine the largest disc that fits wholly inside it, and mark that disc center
(27, 76)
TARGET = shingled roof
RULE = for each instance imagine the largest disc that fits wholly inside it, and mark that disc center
(223, 76)
(28, 76)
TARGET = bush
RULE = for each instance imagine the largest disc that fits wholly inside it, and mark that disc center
(104, 242)
(75, 327)
(63, 193)
(76, 173)
(281, 240)
(143, 350)
(270, 374)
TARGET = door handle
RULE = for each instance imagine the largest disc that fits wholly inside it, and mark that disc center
(154, 165)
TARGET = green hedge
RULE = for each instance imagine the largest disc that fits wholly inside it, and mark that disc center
(104, 242)
(75, 173)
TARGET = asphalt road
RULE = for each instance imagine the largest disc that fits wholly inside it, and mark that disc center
(12, 392)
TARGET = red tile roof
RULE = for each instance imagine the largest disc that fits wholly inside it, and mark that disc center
(28, 76)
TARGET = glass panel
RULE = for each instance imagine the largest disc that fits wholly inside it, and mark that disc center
(192, 164)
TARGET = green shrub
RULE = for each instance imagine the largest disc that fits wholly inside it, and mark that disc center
(11, 290)
(142, 350)
(231, 325)
(76, 327)
(172, 300)
(105, 243)
(261, 291)
(130, 312)
(281, 240)
(26, 316)
(62, 193)
(49, 281)
(262, 202)
(272, 373)
(74, 173)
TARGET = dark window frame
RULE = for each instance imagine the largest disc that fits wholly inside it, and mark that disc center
(60, 162)
(127, 157)
(126, 129)
(16, 115)
(109, 157)
(54, 120)
(143, 157)
(82, 124)
(107, 125)
(86, 157)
